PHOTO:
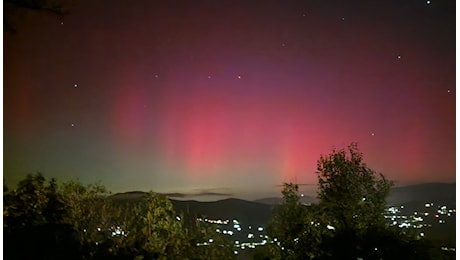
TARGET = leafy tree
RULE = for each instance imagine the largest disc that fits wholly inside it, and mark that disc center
(353, 197)
(162, 229)
(352, 193)
(297, 230)
(86, 211)
(49, 221)
(14, 8)
(348, 222)
(74, 221)
(25, 204)
(146, 229)
(33, 214)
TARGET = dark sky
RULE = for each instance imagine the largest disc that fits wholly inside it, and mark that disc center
(185, 96)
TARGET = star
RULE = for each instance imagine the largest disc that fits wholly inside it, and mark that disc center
(343, 18)
(75, 85)
(156, 76)
(209, 77)
(72, 125)
(399, 56)
(428, 2)
(448, 91)
(239, 76)
(373, 134)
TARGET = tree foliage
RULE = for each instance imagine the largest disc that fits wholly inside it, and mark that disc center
(33, 224)
(296, 227)
(159, 228)
(348, 222)
(14, 8)
(44, 220)
(353, 196)
(352, 193)
(91, 215)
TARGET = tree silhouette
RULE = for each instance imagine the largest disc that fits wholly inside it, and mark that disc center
(352, 193)
(296, 228)
(33, 221)
(14, 8)
(348, 222)
(90, 214)
(44, 220)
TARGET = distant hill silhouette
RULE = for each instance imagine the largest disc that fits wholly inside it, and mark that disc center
(248, 212)
(279, 200)
(259, 211)
(270, 201)
(130, 195)
(438, 193)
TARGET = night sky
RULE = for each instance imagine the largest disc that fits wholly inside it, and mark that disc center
(230, 97)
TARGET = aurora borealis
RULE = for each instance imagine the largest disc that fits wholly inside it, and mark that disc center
(181, 96)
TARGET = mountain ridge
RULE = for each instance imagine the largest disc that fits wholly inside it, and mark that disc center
(436, 191)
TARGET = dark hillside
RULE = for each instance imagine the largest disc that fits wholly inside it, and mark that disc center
(247, 212)
(437, 193)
